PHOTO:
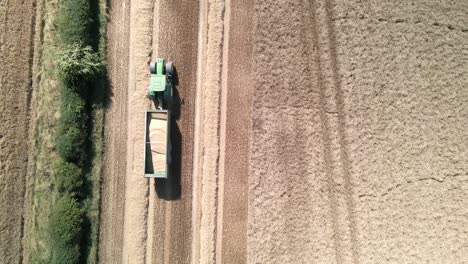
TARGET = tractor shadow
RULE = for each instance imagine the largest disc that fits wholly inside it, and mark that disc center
(170, 188)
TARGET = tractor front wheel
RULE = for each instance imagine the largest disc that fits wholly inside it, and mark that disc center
(169, 69)
(152, 67)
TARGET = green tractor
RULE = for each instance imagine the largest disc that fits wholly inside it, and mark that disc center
(161, 82)
(158, 145)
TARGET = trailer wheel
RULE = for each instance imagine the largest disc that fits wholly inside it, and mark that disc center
(169, 69)
(152, 67)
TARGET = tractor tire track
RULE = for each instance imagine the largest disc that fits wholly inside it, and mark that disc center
(298, 134)
(334, 137)
(175, 34)
(238, 89)
(115, 162)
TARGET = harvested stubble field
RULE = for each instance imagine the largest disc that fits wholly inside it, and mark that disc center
(17, 19)
(309, 131)
(327, 131)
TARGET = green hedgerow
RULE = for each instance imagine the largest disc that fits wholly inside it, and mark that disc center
(74, 23)
(70, 143)
(62, 254)
(65, 227)
(73, 108)
(69, 177)
(65, 221)
(79, 62)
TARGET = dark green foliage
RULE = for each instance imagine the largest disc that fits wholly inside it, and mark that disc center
(70, 144)
(73, 107)
(72, 118)
(79, 66)
(65, 221)
(65, 255)
(71, 134)
(65, 225)
(74, 22)
(69, 177)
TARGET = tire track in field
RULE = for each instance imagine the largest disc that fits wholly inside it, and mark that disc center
(300, 191)
(345, 161)
(335, 153)
(207, 161)
(237, 93)
(175, 34)
(136, 186)
(113, 181)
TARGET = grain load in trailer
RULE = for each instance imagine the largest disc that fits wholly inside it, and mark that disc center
(157, 145)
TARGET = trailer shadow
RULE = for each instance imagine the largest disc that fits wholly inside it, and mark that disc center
(170, 188)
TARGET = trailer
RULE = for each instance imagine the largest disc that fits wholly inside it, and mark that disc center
(157, 143)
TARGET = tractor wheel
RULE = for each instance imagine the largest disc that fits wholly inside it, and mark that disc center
(169, 69)
(152, 67)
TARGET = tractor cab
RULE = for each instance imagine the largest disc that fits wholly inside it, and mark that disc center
(160, 87)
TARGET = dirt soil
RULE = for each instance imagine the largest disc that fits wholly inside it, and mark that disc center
(16, 48)
(313, 131)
